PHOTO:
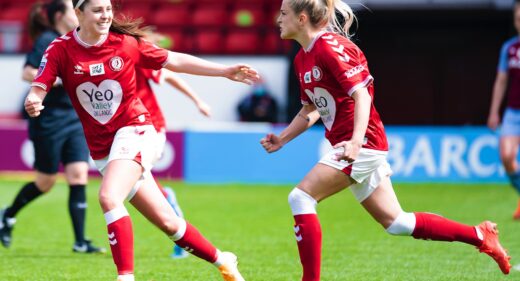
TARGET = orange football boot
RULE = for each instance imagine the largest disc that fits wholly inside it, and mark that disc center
(492, 247)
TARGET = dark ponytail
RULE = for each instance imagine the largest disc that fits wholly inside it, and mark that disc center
(122, 25)
(37, 21)
(41, 16)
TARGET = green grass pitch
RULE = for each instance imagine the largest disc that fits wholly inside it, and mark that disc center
(254, 222)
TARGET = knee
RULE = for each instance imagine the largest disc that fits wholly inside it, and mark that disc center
(403, 225)
(507, 157)
(107, 200)
(169, 226)
(77, 174)
(45, 183)
(301, 202)
(180, 230)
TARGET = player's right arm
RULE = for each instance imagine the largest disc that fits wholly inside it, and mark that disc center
(499, 89)
(307, 116)
(34, 101)
(43, 81)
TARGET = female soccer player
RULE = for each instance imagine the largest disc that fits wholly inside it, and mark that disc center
(96, 63)
(508, 74)
(57, 135)
(336, 85)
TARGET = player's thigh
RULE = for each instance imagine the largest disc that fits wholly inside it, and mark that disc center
(129, 158)
(120, 176)
(150, 202)
(323, 181)
(509, 147)
(382, 204)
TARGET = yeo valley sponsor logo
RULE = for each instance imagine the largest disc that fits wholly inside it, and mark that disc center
(102, 101)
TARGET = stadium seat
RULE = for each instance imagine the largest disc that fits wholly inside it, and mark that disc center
(210, 16)
(242, 42)
(171, 15)
(272, 43)
(179, 41)
(209, 42)
(16, 12)
(247, 15)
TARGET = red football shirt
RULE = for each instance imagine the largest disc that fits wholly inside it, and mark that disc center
(100, 80)
(330, 70)
(147, 96)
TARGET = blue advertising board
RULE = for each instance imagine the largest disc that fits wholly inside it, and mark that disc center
(416, 154)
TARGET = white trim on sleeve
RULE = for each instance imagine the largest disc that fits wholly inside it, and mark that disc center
(167, 60)
(40, 85)
(365, 83)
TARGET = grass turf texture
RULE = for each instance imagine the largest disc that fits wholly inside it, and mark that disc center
(254, 222)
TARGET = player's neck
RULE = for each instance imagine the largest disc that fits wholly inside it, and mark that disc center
(307, 38)
(90, 38)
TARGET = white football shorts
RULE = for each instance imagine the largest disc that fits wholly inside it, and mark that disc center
(160, 142)
(133, 143)
(367, 170)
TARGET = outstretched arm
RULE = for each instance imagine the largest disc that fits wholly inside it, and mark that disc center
(307, 116)
(180, 62)
(182, 86)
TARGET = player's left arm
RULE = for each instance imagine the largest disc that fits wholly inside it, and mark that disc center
(184, 63)
(362, 106)
(153, 57)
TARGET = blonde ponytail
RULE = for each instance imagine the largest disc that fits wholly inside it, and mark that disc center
(341, 18)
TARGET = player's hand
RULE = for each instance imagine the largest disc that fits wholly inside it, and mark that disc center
(33, 105)
(350, 150)
(242, 73)
(493, 121)
(204, 108)
(271, 143)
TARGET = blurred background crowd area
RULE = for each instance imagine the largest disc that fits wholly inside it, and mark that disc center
(433, 59)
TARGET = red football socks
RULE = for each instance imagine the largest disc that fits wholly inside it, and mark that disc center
(308, 236)
(194, 243)
(121, 239)
(434, 227)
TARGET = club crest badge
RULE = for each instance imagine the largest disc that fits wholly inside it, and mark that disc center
(116, 63)
(316, 73)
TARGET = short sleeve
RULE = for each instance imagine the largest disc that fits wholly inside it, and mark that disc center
(305, 100)
(344, 61)
(502, 60)
(48, 69)
(156, 76)
(34, 57)
(150, 56)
